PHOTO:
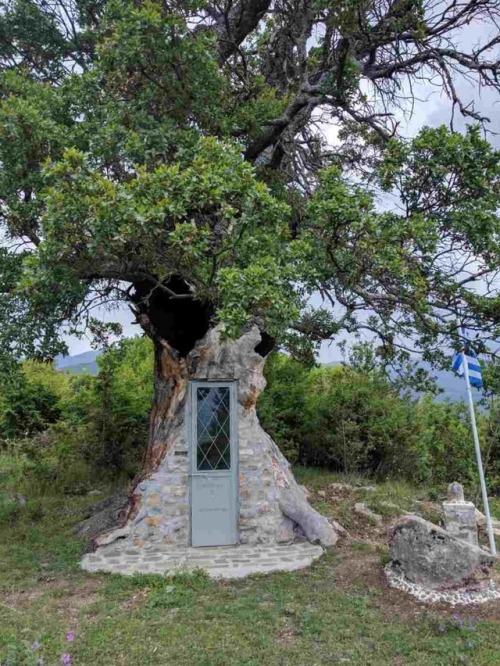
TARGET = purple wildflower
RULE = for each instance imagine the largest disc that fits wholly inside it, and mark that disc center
(66, 659)
(36, 645)
(39, 662)
(70, 636)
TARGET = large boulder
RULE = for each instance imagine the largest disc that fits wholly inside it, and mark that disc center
(433, 558)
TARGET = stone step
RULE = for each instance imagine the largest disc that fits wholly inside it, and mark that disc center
(234, 562)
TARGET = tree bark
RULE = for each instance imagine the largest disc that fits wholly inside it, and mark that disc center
(272, 507)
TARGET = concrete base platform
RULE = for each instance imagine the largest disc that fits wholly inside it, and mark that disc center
(219, 562)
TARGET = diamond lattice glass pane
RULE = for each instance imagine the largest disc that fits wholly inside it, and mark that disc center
(213, 429)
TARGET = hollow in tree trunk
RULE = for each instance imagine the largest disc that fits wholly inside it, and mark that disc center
(270, 506)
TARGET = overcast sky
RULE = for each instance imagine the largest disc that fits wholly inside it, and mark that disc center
(431, 108)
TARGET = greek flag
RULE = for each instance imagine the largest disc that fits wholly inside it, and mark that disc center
(472, 365)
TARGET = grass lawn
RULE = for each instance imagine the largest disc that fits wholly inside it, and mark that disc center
(337, 612)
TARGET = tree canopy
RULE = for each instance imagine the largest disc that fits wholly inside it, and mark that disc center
(171, 155)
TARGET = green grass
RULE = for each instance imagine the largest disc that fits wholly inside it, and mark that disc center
(311, 617)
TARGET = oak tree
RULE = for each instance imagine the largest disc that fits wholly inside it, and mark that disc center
(170, 154)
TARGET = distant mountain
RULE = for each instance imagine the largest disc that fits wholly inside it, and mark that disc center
(85, 362)
(452, 386)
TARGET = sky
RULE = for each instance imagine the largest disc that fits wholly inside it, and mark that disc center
(431, 108)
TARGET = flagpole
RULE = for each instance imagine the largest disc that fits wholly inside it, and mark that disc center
(486, 505)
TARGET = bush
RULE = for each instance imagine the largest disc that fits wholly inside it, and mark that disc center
(354, 421)
(444, 448)
(281, 406)
(30, 395)
(71, 431)
(74, 430)
(111, 411)
(10, 509)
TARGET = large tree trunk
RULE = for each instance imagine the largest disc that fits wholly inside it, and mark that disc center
(272, 507)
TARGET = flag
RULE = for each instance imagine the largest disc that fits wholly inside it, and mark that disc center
(466, 361)
(473, 367)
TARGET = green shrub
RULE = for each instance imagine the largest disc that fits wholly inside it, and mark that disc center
(353, 421)
(114, 406)
(70, 431)
(337, 417)
(281, 406)
(30, 396)
(443, 450)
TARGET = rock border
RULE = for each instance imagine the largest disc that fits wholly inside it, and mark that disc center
(462, 596)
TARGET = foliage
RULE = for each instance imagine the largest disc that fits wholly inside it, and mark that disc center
(355, 421)
(30, 398)
(281, 406)
(444, 443)
(73, 429)
(166, 155)
(108, 414)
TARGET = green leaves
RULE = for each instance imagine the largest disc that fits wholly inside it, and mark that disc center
(408, 273)
(33, 126)
(205, 217)
(122, 142)
(149, 60)
(452, 180)
(350, 419)
(262, 288)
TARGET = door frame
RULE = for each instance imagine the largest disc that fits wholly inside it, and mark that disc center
(192, 428)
